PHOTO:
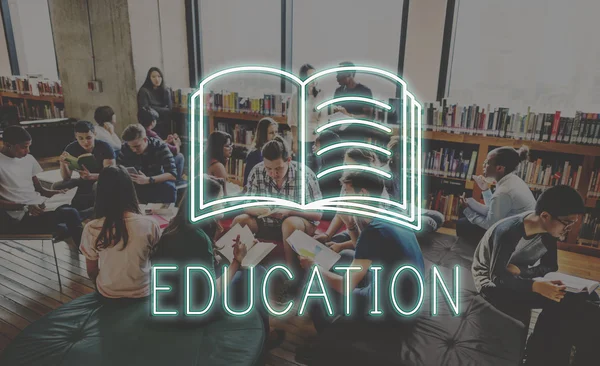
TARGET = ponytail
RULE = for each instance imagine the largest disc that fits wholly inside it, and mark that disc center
(510, 158)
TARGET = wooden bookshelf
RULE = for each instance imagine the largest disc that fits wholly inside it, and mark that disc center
(486, 143)
(9, 98)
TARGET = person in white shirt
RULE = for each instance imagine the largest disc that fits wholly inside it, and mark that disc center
(313, 118)
(22, 197)
(106, 118)
(511, 197)
(118, 244)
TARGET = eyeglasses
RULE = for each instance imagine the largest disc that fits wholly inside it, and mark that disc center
(566, 223)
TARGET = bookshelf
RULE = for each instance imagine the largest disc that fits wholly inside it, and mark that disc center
(589, 159)
(34, 98)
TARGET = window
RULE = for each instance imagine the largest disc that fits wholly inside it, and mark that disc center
(515, 54)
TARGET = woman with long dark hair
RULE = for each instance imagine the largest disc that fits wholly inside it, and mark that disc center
(218, 150)
(265, 131)
(117, 244)
(156, 95)
(184, 243)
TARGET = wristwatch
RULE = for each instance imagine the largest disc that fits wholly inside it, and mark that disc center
(151, 180)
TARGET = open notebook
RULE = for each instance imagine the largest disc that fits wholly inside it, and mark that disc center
(60, 199)
(574, 284)
(256, 252)
(307, 246)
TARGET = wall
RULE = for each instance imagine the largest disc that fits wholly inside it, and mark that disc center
(33, 37)
(158, 37)
(4, 60)
(424, 38)
(114, 60)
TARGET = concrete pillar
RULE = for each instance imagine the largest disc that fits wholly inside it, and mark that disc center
(109, 46)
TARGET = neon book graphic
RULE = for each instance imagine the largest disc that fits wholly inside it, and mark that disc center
(404, 211)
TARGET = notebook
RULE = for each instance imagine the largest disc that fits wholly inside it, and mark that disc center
(307, 246)
(256, 252)
(574, 284)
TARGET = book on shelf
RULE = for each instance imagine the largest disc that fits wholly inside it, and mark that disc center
(447, 204)
(590, 230)
(583, 128)
(235, 167)
(241, 133)
(449, 162)
(256, 251)
(231, 101)
(547, 172)
(30, 85)
(573, 284)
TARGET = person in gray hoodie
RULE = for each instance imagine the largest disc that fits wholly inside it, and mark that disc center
(507, 266)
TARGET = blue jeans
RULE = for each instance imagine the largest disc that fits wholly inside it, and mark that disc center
(164, 192)
(179, 160)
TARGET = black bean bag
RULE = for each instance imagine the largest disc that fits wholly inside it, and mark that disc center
(93, 331)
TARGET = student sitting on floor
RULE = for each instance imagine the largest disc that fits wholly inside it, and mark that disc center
(184, 242)
(379, 243)
(106, 118)
(511, 197)
(86, 143)
(22, 196)
(265, 131)
(218, 151)
(117, 244)
(278, 176)
(346, 240)
(431, 220)
(147, 117)
(154, 162)
(518, 249)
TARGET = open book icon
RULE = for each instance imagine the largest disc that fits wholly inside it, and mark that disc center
(404, 211)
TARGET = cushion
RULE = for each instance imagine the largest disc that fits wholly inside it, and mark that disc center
(480, 335)
(93, 331)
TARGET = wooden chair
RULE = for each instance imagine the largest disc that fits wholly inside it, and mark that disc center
(51, 237)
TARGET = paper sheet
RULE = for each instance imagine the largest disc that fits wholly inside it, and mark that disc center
(307, 246)
(58, 200)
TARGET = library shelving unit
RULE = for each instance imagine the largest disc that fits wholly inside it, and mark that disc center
(587, 154)
(234, 169)
(33, 107)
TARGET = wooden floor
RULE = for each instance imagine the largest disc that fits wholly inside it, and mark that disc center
(29, 289)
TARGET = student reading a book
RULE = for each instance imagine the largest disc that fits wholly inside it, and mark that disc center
(118, 243)
(313, 119)
(148, 118)
(518, 249)
(106, 119)
(511, 197)
(88, 156)
(265, 131)
(379, 243)
(278, 176)
(153, 163)
(155, 94)
(431, 220)
(22, 197)
(184, 242)
(219, 148)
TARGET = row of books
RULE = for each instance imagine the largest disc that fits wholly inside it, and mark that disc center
(38, 111)
(589, 233)
(235, 167)
(31, 85)
(450, 163)
(227, 101)
(241, 134)
(584, 128)
(447, 204)
(594, 184)
(547, 172)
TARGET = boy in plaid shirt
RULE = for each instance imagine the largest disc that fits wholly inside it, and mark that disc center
(278, 176)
